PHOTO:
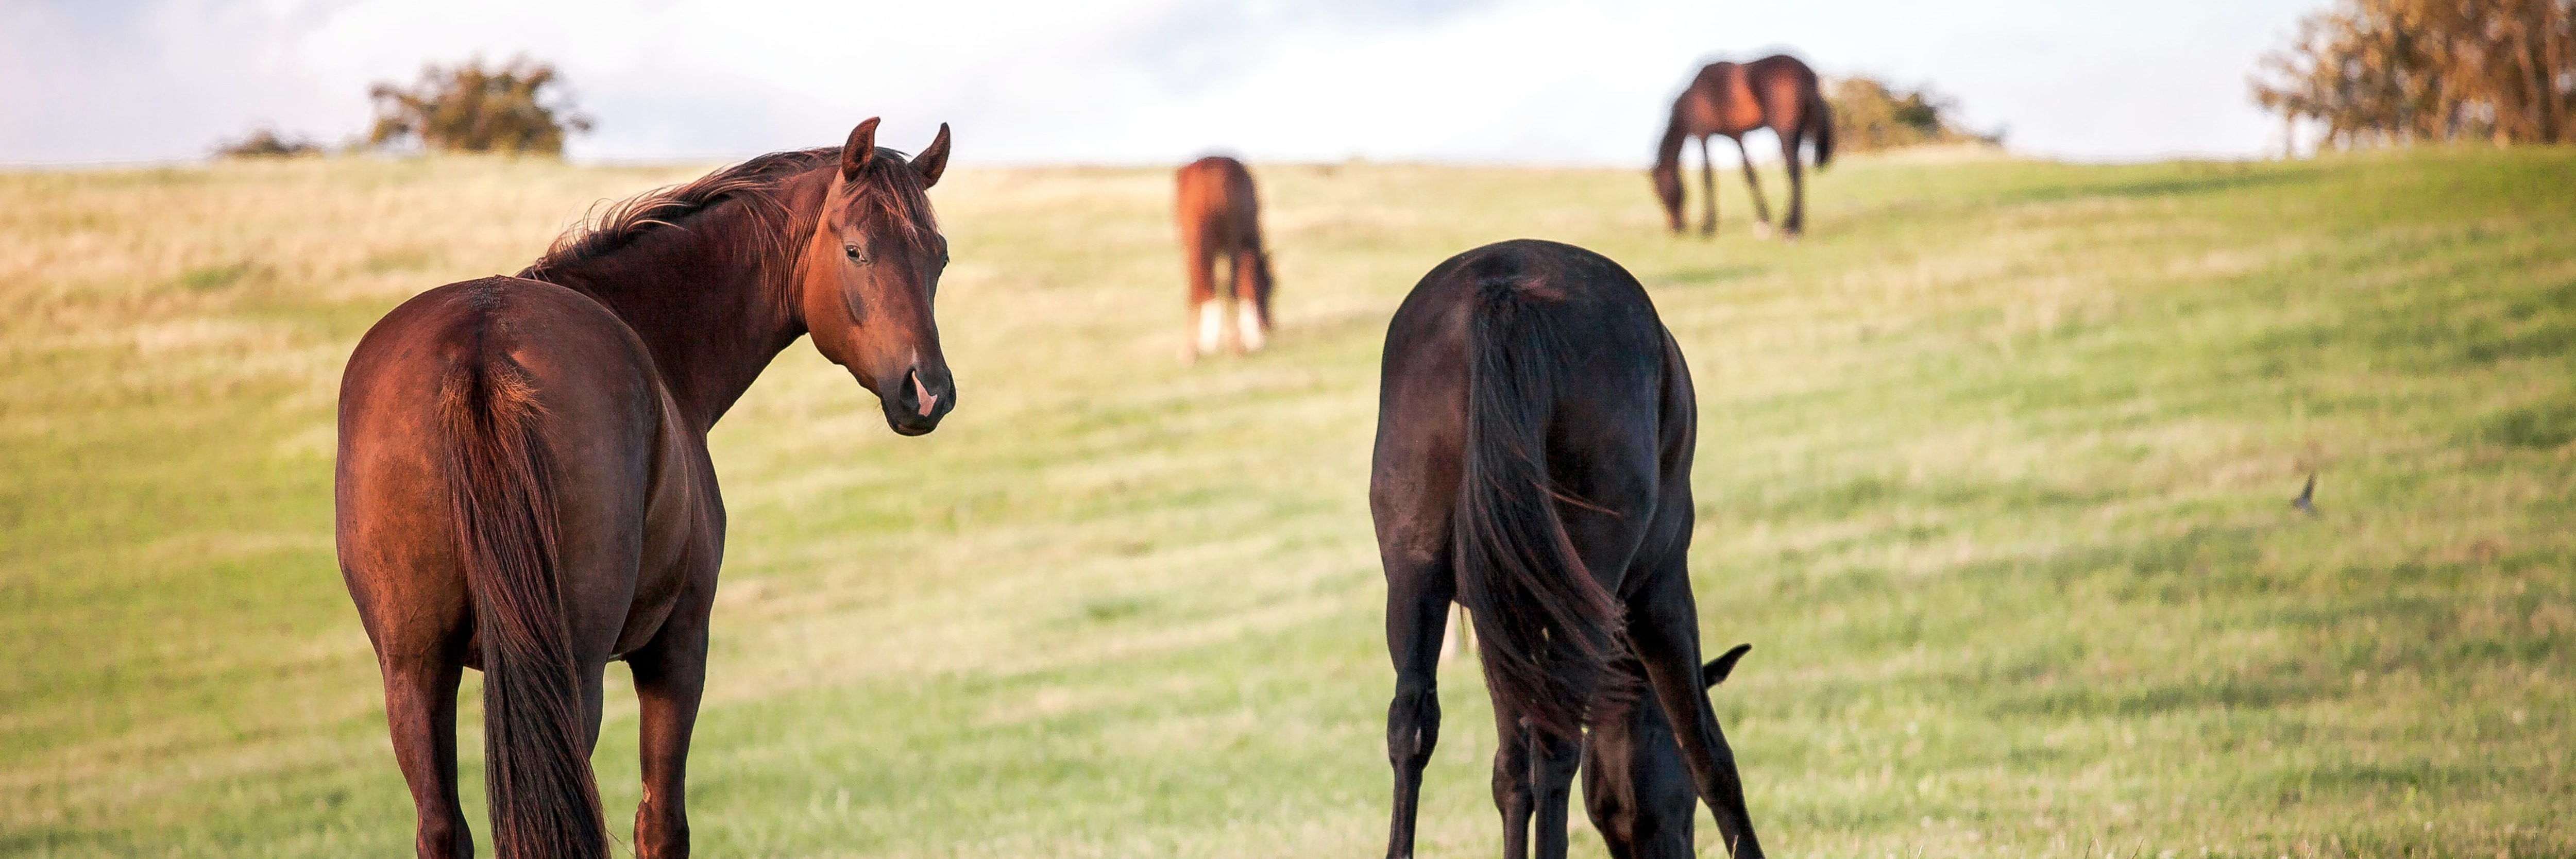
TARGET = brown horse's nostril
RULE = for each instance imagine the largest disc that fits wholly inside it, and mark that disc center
(919, 392)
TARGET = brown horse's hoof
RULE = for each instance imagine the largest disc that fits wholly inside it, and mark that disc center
(1762, 230)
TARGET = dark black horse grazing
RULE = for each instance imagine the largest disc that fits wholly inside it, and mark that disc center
(1534, 440)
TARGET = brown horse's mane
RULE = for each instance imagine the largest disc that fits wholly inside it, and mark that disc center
(761, 183)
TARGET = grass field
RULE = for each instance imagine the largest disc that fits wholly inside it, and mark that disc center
(1994, 471)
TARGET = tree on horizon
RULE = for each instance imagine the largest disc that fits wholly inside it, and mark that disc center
(515, 108)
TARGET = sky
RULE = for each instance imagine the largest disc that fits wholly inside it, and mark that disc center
(1129, 81)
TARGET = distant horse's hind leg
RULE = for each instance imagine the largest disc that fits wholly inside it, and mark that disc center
(1753, 183)
(670, 675)
(420, 707)
(1247, 300)
(1796, 224)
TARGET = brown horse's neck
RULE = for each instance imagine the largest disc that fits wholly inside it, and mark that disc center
(712, 295)
(1668, 153)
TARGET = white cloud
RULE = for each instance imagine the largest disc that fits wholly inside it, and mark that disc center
(1122, 80)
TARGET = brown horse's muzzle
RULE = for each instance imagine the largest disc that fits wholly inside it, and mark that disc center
(916, 404)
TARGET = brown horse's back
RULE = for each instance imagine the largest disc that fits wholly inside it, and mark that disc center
(600, 412)
(1735, 98)
(1217, 210)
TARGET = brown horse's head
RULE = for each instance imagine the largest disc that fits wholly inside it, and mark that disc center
(867, 278)
(1668, 188)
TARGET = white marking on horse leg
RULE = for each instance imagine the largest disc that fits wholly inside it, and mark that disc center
(1211, 325)
(1247, 319)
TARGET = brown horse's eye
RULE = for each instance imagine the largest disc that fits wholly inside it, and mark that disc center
(852, 251)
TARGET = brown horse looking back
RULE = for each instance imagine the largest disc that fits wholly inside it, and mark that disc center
(1729, 99)
(1220, 219)
(524, 486)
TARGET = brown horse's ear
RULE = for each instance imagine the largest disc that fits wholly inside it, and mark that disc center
(934, 160)
(861, 149)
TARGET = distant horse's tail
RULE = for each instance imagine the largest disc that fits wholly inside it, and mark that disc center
(1820, 113)
(1543, 625)
(543, 802)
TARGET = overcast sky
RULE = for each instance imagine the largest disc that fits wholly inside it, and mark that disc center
(1128, 80)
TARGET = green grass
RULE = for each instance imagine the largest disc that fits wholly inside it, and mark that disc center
(1994, 471)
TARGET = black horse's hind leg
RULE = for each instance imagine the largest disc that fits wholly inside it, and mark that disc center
(1753, 183)
(1707, 187)
(670, 676)
(1796, 223)
(1513, 797)
(1553, 762)
(1663, 624)
(1418, 592)
(420, 706)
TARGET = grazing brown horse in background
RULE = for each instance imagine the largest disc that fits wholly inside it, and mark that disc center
(1775, 92)
(524, 485)
(1219, 218)
(1635, 786)
(1535, 432)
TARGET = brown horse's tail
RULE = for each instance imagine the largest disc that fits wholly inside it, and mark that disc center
(536, 750)
(1820, 113)
(1543, 625)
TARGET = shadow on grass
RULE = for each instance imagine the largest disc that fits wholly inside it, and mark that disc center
(1710, 276)
(2207, 179)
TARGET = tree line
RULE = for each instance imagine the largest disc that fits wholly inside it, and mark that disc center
(2383, 72)
(516, 107)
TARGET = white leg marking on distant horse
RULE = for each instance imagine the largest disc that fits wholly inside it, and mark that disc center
(1211, 325)
(1248, 322)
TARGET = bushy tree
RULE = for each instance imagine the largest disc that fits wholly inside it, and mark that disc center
(468, 108)
(2378, 72)
(1869, 115)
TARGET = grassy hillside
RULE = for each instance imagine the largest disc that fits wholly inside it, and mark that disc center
(1993, 472)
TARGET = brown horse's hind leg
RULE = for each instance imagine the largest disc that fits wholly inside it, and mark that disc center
(1753, 183)
(670, 675)
(420, 708)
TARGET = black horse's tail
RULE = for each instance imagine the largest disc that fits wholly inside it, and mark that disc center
(1543, 625)
(544, 804)
(1820, 113)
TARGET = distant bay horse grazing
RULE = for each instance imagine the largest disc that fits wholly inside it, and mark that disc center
(1535, 432)
(524, 486)
(1729, 99)
(1220, 219)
